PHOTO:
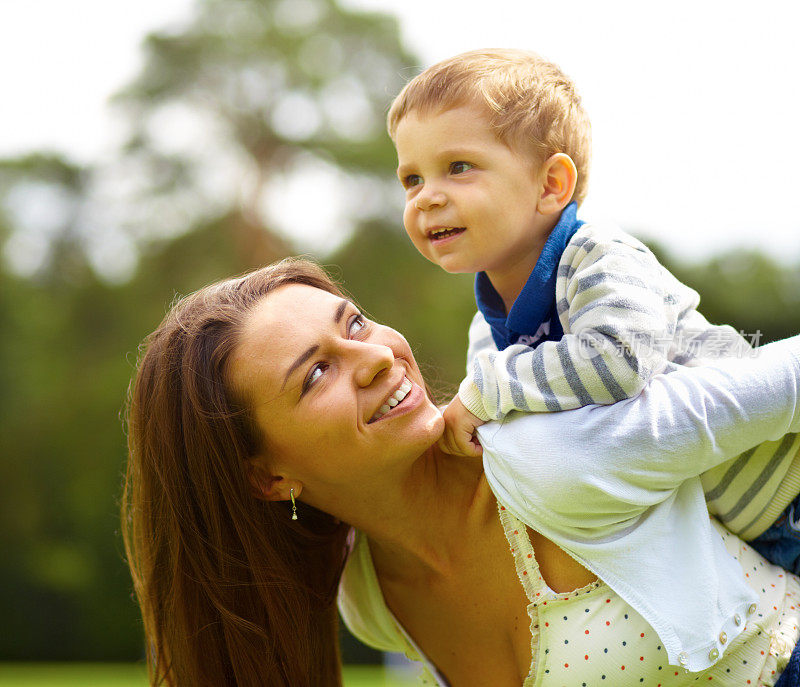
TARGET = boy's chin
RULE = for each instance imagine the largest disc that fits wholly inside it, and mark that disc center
(452, 268)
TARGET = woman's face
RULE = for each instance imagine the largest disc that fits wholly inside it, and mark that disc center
(320, 378)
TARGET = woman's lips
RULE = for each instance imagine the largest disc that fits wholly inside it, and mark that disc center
(411, 399)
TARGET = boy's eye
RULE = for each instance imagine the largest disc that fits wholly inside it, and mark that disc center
(412, 180)
(459, 167)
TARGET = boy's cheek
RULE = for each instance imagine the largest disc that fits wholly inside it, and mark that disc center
(408, 218)
(413, 233)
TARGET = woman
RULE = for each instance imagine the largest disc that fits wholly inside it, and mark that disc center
(271, 397)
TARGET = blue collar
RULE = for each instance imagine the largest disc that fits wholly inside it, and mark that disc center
(535, 304)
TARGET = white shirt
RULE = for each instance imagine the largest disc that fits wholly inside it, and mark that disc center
(617, 487)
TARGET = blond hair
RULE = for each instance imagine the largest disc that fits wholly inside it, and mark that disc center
(531, 103)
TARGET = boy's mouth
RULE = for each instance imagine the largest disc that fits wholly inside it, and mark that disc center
(439, 233)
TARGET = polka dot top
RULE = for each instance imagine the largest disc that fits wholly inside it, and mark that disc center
(592, 637)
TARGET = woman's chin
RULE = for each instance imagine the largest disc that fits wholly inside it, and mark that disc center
(432, 426)
(437, 424)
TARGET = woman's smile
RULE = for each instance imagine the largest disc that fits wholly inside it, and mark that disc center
(402, 400)
(320, 375)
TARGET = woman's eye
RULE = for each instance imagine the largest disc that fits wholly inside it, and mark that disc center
(315, 373)
(412, 180)
(460, 167)
(357, 324)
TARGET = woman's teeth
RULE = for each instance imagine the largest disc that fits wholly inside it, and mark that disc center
(393, 400)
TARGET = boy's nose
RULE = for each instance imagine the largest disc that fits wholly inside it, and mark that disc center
(428, 199)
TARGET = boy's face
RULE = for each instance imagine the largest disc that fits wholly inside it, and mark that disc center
(471, 202)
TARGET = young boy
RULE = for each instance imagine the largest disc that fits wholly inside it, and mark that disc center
(493, 150)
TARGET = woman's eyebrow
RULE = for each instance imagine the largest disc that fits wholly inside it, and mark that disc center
(340, 311)
(311, 350)
(297, 363)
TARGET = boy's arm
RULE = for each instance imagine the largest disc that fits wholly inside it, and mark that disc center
(480, 339)
(619, 309)
(640, 450)
(459, 437)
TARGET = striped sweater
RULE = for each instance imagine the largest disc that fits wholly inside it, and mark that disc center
(626, 318)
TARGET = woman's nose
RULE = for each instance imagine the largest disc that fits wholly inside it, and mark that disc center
(372, 360)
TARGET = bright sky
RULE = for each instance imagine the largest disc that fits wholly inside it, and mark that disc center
(696, 136)
(59, 62)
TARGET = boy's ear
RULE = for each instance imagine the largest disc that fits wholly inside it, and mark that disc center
(267, 486)
(558, 177)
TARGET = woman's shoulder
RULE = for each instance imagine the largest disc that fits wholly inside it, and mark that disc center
(361, 602)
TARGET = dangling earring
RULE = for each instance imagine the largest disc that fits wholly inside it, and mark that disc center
(294, 507)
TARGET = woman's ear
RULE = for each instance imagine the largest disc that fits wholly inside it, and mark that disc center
(267, 486)
(558, 177)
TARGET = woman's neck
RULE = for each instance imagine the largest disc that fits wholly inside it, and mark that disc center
(424, 521)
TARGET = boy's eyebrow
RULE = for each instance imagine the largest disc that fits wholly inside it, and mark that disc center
(462, 151)
(311, 350)
(402, 170)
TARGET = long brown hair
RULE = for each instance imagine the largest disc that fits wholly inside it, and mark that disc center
(232, 591)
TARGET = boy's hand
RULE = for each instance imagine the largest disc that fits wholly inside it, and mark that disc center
(459, 433)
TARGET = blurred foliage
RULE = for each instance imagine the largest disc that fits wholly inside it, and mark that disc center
(243, 93)
(745, 289)
(251, 93)
(93, 255)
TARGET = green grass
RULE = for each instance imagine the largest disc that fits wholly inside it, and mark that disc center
(133, 675)
(367, 676)
(72, 675)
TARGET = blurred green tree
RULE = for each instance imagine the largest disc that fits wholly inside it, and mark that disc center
(746, 289)
(259, 104)
(249, 94)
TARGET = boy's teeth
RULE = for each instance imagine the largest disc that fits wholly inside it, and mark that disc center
(446, 231)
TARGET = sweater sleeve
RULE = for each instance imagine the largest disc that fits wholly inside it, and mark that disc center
(480, 339)
(619, 309)
(600, 465)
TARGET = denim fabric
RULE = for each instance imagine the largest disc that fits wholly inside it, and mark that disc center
(780, 544)
(790, 677)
